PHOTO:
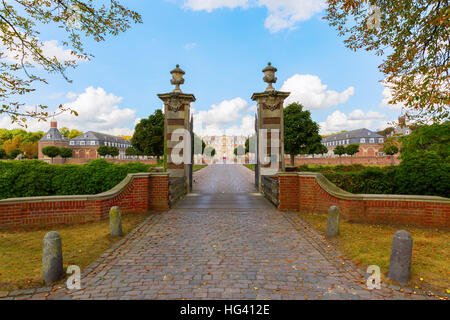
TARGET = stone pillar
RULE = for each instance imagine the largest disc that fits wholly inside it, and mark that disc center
(270, 117)
(401, 256)
(115, 222)
(52, 259)
(332, 222)
(177, 116)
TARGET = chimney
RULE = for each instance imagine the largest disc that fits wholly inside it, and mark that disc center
(402, 121)
(54, 124)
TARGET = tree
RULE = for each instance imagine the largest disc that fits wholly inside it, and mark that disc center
(340, 150)
(113, 151)
(130, 152)
(390, 147)
(250, 144)
(386, 132)
(318, 148)
(30, 149)
(51, 151)
(239, 151)
(210, 152)
(199, 145)
(13, 144)
(103, 151)
(301, 134)
(14, 153)
(2, 154)
(351, 150)
(20, 23)
(65, 153)
(148, 137)
(413, 37)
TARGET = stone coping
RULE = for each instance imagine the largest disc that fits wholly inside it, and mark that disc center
(101, 196)
(337, 192)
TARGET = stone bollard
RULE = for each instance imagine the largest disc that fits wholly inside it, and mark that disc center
(52, 259)
(332, 222)
(115, 222)
(401, 255)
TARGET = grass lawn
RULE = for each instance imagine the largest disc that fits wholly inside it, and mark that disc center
(21, 250)
(198, 167)
(250, 166)
(369, 244)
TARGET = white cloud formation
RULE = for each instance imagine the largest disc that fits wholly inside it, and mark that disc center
(190, 46)
(312, 93)
(97, 109)
(230, 117)
(282, 14)
(357, 119)
(387, 96)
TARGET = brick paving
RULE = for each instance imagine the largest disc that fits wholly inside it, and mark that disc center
(224, 253)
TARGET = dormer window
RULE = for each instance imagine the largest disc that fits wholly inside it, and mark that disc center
(363, 140)
(372, 140)
(82, 143)
(72, 143)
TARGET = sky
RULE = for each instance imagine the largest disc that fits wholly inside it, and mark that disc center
(222, 45)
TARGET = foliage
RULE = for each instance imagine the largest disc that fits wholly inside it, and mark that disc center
(413, 36)
(20, 22)
(239, 151)
(12, 144)
(250, 144)
(199, 145)
(70, 134)
(19, 139)
(130, 151)
(391, 146)
(114, 151)
(65, 153)
(30, 149)
(31, 178)
(210, 152)
(301, 134)
(352, 149)
(319, 148)
(340, 150)
(104, 151)
(386, 132)
(51, 151)
(148, 137)
(14, 153)
(425, 174)
(432, 138)
(2, 154)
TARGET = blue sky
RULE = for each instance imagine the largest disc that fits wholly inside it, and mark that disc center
(222, 45)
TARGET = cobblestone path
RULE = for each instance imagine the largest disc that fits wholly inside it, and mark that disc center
(224, 242)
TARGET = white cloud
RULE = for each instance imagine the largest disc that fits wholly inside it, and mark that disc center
(357, 119)
(97, 109)
(282, 14)
(309, 91)
(387, 96)
(190, 46)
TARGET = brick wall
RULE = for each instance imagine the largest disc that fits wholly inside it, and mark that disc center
(379, 160)
(137, 193)
(313, 193)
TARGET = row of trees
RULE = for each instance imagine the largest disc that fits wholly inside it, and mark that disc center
(19, 141)
(350, 150)
(53, 152)
(104, 151)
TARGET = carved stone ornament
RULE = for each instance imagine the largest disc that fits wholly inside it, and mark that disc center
(174, 104)
(272, 103)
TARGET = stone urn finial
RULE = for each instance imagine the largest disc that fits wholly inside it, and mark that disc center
(269, 76)
(177, 78)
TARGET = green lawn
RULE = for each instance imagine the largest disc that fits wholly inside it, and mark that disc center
(250, 166)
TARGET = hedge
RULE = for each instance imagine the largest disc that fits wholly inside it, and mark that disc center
(414, 176)
(32, 178)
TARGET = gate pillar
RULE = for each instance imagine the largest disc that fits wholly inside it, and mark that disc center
(177, 114)
(270, 127)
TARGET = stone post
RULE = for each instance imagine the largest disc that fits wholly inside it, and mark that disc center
(115, 222)
(332, 222)
(52, 258)
(401, 255)
(270, 149)
(177, 116)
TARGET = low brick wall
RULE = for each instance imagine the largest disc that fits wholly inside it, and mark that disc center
(312, 193)
(136, 193)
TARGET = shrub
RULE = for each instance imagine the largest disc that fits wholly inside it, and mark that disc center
(424, 173)
(33, 178)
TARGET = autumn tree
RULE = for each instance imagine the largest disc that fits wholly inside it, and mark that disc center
(301, 134)
(23, 49)
(70, 134)
(413, 37)
(30, 149)
(13, 144)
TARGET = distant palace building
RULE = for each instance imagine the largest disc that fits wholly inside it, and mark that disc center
(84, 147)
(370, 143)
(224, 145)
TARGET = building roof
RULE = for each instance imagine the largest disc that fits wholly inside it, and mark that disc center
(97, 136)
(53, 135)
(359, 133)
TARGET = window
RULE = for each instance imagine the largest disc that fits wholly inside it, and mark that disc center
(348, 141)
(82, 143)
(381, 140)
(372, 140)
(72, 143)
(362, 140)
(93, 143)
(407, 132)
